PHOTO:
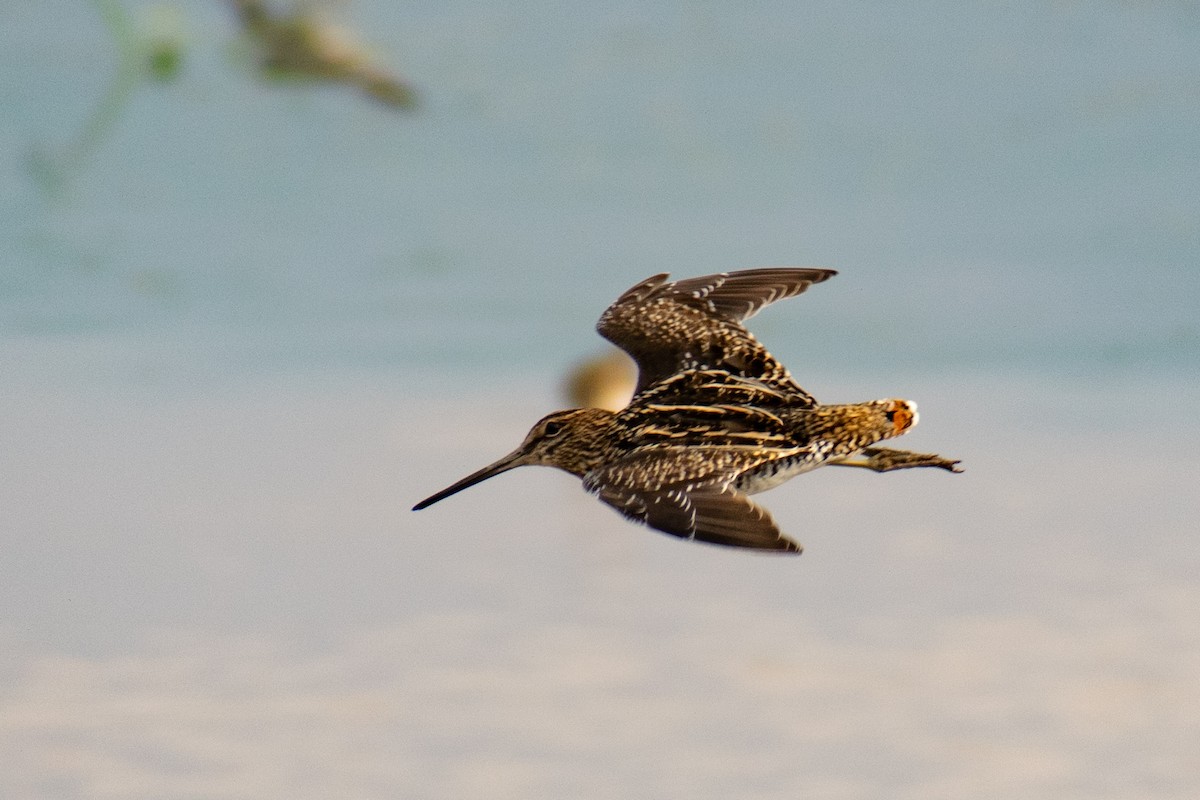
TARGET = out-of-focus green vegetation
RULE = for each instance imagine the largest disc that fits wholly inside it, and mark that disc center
(150, 48)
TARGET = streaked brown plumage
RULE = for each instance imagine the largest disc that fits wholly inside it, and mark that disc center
(716, 417)
(696, 323)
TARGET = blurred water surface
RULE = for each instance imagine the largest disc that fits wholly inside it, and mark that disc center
(244, 329)
(999, 184)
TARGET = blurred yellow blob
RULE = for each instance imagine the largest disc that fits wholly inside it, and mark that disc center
(604, 381)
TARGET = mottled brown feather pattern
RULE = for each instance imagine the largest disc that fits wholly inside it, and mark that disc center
(716, 417)
(687, 492)
(696, 324)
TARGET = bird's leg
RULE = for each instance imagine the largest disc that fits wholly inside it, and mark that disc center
(884, 459)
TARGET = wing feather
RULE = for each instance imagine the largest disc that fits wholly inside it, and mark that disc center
(737, 296)
(707, 514)
(687, 492)
(696, 324)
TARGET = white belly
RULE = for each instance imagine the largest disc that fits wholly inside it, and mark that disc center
(781, 471)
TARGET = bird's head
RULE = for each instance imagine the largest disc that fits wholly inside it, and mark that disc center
(570, 440)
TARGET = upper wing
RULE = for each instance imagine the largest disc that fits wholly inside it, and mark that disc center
(696, 323)
(686, 493)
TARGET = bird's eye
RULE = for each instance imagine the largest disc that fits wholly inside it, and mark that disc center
(552, 428)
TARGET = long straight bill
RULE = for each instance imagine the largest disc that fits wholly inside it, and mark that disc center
(513, 459)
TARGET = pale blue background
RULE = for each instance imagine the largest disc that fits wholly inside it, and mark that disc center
(257, 322)
(1006, 184)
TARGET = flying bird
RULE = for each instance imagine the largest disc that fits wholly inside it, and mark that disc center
(715, 417)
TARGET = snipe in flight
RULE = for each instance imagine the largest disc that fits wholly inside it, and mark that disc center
(715, 417)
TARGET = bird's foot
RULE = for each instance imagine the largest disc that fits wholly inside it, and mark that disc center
(884, 459)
